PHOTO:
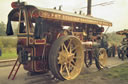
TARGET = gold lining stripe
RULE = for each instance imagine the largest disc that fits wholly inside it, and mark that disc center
(74, 18)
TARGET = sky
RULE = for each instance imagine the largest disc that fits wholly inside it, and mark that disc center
(116, 13)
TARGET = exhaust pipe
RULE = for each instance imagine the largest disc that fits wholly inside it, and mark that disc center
(89, 7)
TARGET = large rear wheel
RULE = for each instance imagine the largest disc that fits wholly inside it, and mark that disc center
(66, 58)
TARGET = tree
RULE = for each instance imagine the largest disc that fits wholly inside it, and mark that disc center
(113, 38)
(2, 29)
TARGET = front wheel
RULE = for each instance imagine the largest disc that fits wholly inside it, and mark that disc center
(66, 58)
(101, 58)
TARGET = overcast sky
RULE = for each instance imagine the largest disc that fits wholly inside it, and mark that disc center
(117, 13)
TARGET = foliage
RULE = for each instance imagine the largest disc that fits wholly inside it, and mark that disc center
(1, 45)
(113, 38)
(8, 42)
(2, 28)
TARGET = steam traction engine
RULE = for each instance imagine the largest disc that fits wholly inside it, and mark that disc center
(123, 48)
(50, 39)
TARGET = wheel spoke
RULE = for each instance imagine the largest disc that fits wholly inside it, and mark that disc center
(65, 48)
(73, 62)
(67, 71)
(71, 65)
(70, 50)
(75, 47)
(62, 68)
(69, 43)
(69, 46)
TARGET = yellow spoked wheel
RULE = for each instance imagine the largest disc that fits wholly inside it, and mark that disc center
(66, 58)
(101, 59)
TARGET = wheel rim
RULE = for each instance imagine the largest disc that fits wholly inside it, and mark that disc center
(102, 57)
(70, 58)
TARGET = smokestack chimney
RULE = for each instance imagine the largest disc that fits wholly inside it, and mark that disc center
(89, 7)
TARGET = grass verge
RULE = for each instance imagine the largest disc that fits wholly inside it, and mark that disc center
(120, 72)
(8, 53)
